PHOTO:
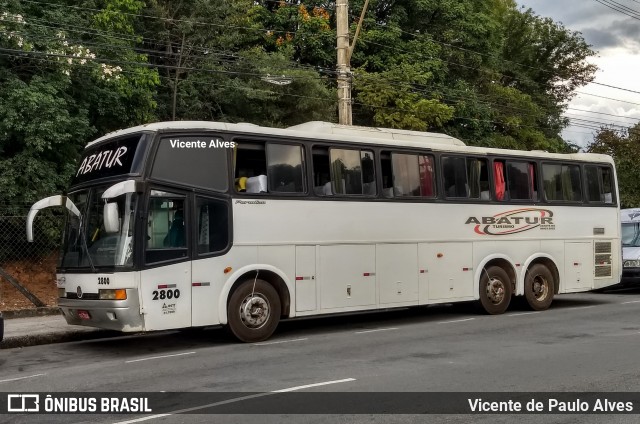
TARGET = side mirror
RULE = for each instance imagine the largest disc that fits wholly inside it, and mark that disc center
(111, 218)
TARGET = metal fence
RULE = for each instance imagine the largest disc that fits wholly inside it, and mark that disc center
(27, 270)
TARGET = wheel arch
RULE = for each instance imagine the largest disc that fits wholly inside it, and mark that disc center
(268, 273)
(546, 260)
(504, 262)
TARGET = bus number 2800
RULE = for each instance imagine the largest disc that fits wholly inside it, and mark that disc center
(166, 294)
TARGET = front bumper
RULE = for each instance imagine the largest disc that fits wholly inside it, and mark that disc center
(119, 315)
(630, 276)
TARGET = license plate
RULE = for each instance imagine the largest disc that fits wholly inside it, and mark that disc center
(84, 315)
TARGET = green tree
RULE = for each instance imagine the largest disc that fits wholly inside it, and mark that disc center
(624, 147)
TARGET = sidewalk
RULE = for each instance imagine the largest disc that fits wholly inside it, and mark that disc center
(36, 330)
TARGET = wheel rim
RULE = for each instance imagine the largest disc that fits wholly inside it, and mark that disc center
(255, 311)
(540, 288)
(495, 291)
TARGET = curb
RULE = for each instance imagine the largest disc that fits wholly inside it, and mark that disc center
(29, 313)
(56, 337)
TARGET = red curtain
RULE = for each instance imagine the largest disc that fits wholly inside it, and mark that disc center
(532, 186)
(426, 176)
(498, 177)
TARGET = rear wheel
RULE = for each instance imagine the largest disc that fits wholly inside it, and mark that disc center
(253, 311)
(495, 290)
(539, 287)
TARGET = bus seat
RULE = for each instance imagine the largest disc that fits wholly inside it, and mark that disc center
(369, 188)
(327, 190)
(484, 195)
(257, 184)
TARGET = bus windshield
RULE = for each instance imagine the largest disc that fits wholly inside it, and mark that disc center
(630, 234)
(86, 244)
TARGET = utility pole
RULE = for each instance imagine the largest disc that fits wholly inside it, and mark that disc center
(344, 68)
(344, 58)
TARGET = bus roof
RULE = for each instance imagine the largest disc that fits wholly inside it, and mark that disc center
(318, 130)
(630, 215)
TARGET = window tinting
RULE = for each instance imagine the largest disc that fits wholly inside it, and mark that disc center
(284, 168)
(269, 167)
(346, 171)
(213, 225)
(343, 171)
(562, 182)
(192, 161)
(321, 171)
(598, 184)
(465, 177)
(413, 175)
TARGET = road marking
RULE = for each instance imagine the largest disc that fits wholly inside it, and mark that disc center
(583, 307)
(455, 320)
(21, 378)
(523, 313)
(238, 399)
(278, 342)
(159, 357)
(325, 383)
(376, 329)
(633, 301)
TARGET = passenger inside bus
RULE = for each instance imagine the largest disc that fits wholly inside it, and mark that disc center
(175, 236)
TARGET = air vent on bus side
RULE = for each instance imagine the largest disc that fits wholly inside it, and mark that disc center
(602, 259)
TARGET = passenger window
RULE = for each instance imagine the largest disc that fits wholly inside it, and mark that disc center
(250, 168)
(515, 180)
(412, 175)
(343, 171)
(562, 182)
(166, 227)
(284, 168)
(598, 184)
(213, 225)
(274, 168)
(321, 171)
(346, 172)
(466, 177)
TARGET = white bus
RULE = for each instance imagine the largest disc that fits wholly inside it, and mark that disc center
(181, 224)
(630, 220)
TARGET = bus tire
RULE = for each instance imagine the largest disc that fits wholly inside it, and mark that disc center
(539, 287)
(495, 290)
(253, 313)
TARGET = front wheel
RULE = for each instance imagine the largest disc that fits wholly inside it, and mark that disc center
(495, 290)
(253, 311)
(539, 287)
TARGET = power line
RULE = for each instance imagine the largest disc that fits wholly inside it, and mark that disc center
(608, 98)
(22, 53)
(603, 2)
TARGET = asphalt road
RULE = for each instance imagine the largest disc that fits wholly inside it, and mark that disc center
(585, 343)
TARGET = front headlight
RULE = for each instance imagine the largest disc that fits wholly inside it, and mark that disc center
(631, 263)
(112, 294)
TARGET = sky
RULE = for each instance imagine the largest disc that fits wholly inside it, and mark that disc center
(616, 39)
